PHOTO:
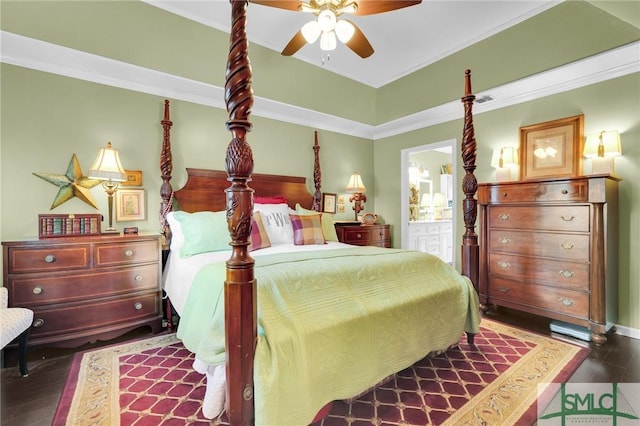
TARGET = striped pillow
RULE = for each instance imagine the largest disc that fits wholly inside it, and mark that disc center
(307, 229)
(258, 239)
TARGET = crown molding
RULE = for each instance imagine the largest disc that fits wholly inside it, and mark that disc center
(47, 57)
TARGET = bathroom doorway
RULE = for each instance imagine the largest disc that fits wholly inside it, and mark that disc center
(428, 199)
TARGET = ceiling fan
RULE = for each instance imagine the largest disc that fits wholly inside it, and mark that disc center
(327, 26)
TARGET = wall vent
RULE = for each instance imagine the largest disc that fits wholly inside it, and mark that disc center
(484, 98)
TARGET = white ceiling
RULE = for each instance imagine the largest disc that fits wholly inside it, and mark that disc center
(404, 40)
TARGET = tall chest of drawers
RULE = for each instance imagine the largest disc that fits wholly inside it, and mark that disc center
(549, 247)
(85, 289)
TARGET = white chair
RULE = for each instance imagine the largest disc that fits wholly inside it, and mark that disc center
(15, 322)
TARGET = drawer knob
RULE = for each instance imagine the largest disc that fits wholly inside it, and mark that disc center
(504, 265)
(567, 218)
(39, 322)
(504, 217)
(358, 235)
(564, 192)
(138, 306)
(128, 253)
(504, 241)
(49, 258)
(504, 194)
(138, 278)
(503, 289)
(38, 290)
(567, 246)
(566, 301)
(566, 274)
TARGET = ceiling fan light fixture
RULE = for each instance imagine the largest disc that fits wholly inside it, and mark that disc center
(327, 21)
(328, 41)
(344, 31)
(311, 31)
(349, 8)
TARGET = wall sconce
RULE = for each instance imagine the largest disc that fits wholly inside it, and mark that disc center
(504, 159)
(356, 187)
(601, 148)
(107, 167)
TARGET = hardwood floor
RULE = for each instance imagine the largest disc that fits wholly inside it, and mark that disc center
(32, 400)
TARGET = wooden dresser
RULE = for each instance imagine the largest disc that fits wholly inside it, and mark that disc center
(85, 289)
(364, 235)
(549, 247)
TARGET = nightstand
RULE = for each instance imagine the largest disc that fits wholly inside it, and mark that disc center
(364, 235)
(83, 289)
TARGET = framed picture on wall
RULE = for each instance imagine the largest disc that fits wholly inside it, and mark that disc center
(130, 205)
(329, 202)
(133, 178)
(552, 148)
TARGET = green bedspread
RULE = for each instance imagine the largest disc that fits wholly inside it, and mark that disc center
(333, 323)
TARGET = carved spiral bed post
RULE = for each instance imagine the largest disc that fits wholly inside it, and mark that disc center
(317, 174)
(470, 248)
(166, 168)
(240, 284)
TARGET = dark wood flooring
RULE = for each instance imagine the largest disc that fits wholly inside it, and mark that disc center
(32, 400)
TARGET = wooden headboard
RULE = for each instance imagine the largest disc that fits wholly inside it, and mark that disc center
(205, 190)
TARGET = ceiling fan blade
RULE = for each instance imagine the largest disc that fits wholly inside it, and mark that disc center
(359, 43)
(295, 44)
(280, 4)
(371, 7)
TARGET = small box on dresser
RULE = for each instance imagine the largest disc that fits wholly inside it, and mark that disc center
(86, 288)
(549, 247)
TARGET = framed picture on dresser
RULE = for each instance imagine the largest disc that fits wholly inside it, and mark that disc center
(552, 148)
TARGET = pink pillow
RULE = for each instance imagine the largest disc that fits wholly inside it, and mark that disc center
(277, 199)
(258, 239)
(307, 229)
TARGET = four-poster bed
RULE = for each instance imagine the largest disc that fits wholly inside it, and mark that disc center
(246, 338)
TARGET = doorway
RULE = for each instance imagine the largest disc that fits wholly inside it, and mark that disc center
(428, 199)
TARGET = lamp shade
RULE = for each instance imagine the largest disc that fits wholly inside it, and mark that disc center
(603, 144)
(504, 157)
(355, 184)
(439, 200)
(107, 166)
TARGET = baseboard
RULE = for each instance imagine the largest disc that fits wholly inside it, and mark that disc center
(622, 330)
(583, 333)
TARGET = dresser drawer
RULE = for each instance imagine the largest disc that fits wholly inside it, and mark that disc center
(556, 273)
(559, 246)
(574, 191)
(544, 218)
(25, 259)
(77, 317)
(568, 302)
(123, 253)
(30, 290)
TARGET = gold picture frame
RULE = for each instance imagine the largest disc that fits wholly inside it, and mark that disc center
(133, 178)
(130, 205)
(552, 148)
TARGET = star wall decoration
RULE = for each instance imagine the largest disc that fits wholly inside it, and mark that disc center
(71, 184)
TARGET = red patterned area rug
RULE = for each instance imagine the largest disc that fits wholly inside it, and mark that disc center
(493, 382)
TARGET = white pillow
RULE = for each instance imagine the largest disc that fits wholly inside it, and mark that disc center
(177, 236)
(277, 222)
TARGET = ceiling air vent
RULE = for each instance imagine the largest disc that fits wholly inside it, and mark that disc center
(483, 99)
